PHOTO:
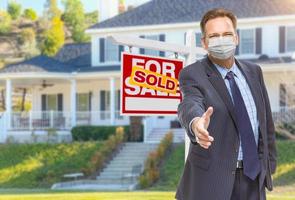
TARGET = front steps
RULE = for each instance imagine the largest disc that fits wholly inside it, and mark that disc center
(111, 177)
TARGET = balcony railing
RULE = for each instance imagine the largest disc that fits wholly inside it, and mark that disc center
(61, 120)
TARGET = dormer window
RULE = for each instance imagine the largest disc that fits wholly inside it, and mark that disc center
(111, 51)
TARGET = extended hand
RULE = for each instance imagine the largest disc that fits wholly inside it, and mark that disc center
(200, 125)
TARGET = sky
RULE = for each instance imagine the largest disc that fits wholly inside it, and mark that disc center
(37, 5)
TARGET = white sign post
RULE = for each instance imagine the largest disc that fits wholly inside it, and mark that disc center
(189, 51)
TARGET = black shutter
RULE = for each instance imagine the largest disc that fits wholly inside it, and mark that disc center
(101, 49)
(282, 39)
(141, 50)
(102, 100)
(90, 100)
(59, 102)
(162, 38)
(237, 49)
(43, 102)
(258, 40)
(121, 49)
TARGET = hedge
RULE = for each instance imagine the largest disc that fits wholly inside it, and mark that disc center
(86, 133)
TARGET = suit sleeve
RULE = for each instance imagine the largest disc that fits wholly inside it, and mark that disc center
(269, 127)
(191, 105)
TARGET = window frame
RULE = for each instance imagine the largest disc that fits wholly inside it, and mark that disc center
(241, 45)
(286, 39)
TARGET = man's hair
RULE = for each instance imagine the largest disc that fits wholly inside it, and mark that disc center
(215, 13)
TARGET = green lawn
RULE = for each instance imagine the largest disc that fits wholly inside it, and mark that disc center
(140, 195)
(41, 165)
(52, 158)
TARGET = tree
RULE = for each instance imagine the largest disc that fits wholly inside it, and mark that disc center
(14, 9)
(53, 38)
(30, 14)
(74, 18)
(51, 9)
(5, 22)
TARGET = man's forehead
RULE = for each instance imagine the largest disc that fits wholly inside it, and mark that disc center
(219, 25)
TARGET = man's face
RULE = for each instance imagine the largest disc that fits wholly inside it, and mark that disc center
(220, 26)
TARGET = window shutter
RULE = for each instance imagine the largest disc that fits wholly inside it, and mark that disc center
(162, 38)
(59, 102)
(43, 102)
(121, 49)
(237, 49)
(141, 50)
(90, 100)
(101, 49)
(102, 100)
(258, 40)
(282, 39)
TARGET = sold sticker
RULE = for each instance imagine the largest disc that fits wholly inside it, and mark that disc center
(149, 85)
(153, 80)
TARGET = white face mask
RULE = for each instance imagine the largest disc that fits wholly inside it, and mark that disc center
(222, 47)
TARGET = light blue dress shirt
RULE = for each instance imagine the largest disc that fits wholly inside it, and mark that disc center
(247, 97)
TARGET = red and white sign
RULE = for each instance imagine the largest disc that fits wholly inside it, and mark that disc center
(149, 85)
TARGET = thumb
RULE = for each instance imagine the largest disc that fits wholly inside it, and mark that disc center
(208, 113)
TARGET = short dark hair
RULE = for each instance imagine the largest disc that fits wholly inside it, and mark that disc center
(217, 12)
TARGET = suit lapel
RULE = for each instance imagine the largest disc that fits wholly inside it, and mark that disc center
(218, 83)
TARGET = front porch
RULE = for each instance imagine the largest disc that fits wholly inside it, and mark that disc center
(59, 120)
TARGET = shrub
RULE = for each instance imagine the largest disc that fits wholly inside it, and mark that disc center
(99, 157)
(5, 22)
(30, 14)
(152, 165)
(86, 133)
(14, 10)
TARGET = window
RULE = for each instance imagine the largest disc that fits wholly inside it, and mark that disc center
(83, 102)
(198, 39)
(247, 44)
(51, 102)
(111, 51)
(150, 51)
(290, 39)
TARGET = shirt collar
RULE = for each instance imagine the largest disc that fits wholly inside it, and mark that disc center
(223, 71)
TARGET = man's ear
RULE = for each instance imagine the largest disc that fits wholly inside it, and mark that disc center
(237, 39)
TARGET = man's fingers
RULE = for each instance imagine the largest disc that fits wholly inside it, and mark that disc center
(204, 134)
(208, 112)
(206, 138)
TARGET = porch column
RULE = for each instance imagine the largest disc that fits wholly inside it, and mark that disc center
(73, 102)
(112, 100)
(8, 102)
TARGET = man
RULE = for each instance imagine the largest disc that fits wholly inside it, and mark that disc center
(227, 116)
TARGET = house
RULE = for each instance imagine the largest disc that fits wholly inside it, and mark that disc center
(80, 85)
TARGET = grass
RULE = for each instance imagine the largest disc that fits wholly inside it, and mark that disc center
(138, 195)
(41, 165)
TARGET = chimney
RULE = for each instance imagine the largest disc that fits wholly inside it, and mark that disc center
(108, 9)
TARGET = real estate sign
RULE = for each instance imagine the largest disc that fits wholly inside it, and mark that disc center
(149, 85)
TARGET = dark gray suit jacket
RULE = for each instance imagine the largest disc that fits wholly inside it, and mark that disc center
(209, 174)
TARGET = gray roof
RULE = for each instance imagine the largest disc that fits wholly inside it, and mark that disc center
(180, 11)
(70, 58)
(37, 64)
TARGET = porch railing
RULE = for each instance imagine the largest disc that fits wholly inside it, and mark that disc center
(284, 115)
(62, 119)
